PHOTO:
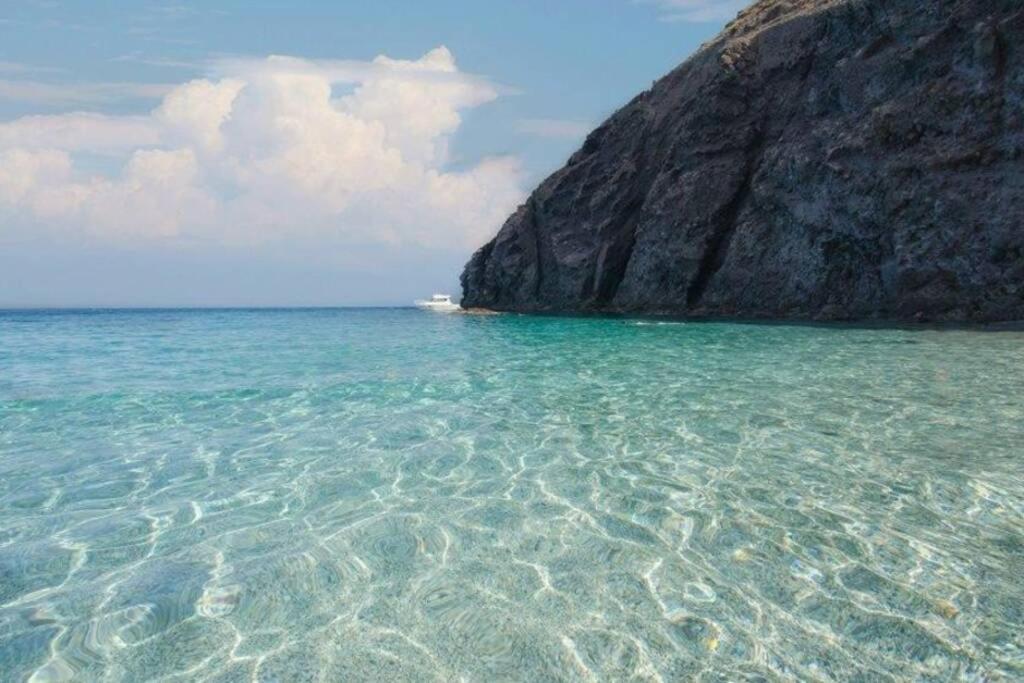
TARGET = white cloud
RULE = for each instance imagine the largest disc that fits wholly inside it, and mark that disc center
(269, 149)
(22, 172)
(558, 129)
(699, 10)
(194, 112)
(81, 132)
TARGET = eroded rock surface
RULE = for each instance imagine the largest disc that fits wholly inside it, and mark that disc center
(830, 159)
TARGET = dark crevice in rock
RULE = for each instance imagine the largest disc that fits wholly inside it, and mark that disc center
(615, 255)
(999, 57)
(718, 246)
(610, 270)
(538, 252)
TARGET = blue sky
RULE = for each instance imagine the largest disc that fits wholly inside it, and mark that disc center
(264, 153)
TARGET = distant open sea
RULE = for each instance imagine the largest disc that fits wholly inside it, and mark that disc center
(393, 495)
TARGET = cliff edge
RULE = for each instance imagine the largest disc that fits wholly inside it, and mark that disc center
(820, 159)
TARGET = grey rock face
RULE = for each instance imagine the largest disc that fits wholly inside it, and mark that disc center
(828, 159)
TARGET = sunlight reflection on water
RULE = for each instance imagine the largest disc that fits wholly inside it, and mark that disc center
(371, 494)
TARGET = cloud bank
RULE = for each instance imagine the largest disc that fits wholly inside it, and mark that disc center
(268, 149)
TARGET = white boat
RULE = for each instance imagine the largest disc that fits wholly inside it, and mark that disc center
(439, 302)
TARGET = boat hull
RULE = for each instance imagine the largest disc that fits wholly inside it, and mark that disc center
(437, 308)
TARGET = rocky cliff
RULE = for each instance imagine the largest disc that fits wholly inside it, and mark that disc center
(825, 159)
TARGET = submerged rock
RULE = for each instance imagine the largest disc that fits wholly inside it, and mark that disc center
(830, 159)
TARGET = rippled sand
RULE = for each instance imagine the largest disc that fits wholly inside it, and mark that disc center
(400, 496)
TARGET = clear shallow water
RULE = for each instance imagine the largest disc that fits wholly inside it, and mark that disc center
(395, 495)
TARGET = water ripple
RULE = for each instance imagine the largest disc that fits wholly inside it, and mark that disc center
(389, 495)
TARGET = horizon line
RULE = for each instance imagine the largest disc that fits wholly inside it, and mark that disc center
(228, 307)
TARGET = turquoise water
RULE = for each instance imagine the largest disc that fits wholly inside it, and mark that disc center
(348, 495)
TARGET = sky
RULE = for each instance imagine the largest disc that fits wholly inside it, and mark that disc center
(299, 152)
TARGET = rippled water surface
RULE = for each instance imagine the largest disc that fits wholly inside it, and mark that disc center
(347, 495)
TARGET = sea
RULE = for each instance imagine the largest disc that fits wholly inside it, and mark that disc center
(398, 495)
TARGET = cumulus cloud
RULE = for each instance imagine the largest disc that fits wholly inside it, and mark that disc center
(24, 173)
(699, 10)
(269, 149)
(80, 132)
